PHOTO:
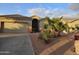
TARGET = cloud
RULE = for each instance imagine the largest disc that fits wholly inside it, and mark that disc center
(74, 6)
(46, 12)
(56, 12)
(37, 11)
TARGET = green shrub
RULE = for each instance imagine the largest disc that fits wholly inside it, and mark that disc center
(46, 36)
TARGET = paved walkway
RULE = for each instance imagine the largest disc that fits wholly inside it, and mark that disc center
(60, 48)
(15, 44)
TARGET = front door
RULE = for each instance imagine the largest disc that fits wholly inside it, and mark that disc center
(35, 25)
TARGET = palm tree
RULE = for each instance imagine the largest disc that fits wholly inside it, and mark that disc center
(57, 25)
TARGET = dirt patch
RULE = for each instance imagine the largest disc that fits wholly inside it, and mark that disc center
(38, 44)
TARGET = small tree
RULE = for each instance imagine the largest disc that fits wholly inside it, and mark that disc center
(57, 25)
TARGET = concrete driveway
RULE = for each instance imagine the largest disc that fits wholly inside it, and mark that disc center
(15, 44)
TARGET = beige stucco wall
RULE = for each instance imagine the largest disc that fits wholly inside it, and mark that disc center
(11, 26)
(71, 24)
(15, 27)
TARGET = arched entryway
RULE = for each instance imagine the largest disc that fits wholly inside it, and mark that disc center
(35, 25)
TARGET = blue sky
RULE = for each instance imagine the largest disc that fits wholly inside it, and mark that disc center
(40, 9)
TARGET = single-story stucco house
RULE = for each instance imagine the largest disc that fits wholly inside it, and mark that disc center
(15, 23)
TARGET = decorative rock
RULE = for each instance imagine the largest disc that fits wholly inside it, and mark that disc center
(76, 43)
